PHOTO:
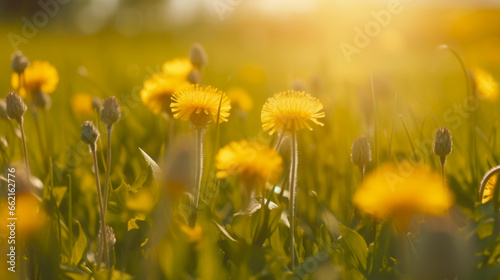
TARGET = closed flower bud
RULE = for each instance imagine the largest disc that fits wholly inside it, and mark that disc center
(19, 62)
(15, 106)
(42, 100)
(443, 142)
(361, 153)
(198, 56)
(89, 133)
(3, 109)
(111, 111)
(194, 76)
(96, 104)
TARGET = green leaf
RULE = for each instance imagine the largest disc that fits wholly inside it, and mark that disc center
(486, 228)
(355, 246)
(59, 193)
(80, 246)
(224, 232)
(155, 169)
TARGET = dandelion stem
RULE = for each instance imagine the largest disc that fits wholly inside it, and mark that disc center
(443, 163)
(108, 169)
(25, 150)
(34, 113)
(199, 133)
(101, 206)
(293, 189)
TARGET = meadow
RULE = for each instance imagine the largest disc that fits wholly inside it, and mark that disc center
(254, 148)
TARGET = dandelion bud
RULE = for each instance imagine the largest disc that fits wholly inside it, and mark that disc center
(110, 236)
(96, 104)
(15, 106)
(19, 62)
(443, 142)
(3, 109)
(361, 153)
(111, 111)
(42, 100)
(89, 133)
(198, 56)
(194, 76)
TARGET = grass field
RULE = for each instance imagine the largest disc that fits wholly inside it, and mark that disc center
(384, 207)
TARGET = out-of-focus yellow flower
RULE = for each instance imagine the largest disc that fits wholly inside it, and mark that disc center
(240, 99)
(178, 68)
(158, 90)
(291, 110)
(486, 85)
(390, 192)
(81, 103)
(489, 188)
(199, 104)
(38, 76)
(194, 235)
(252, 161)
(29, 213)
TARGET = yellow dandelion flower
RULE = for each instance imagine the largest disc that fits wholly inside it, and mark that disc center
(29, 212)
(199, 104)
(81, 103)
(178, 68)
(489, 188)
(158, 90)
(39, 76)
(486, 85)
(240, 99)
(398, 192)
(252, 161)
(291, 110)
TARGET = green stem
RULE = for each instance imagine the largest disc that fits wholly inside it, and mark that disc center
(108, 169)
(199, 133)
(25, 150)
(104, 238)
(34, 113)
(292, 191)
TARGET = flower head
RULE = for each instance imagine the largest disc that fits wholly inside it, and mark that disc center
(486, 85)
(19, 62)
(15, 106)
(199, 104)
(361, 153)
(291, 110)
(178, 68)
(158, 90)
(111, 111)
(489, 188)
(90, 134)
(39, 76)
(443, 142)
(252, 161)
(198, 56)
(392, 192)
